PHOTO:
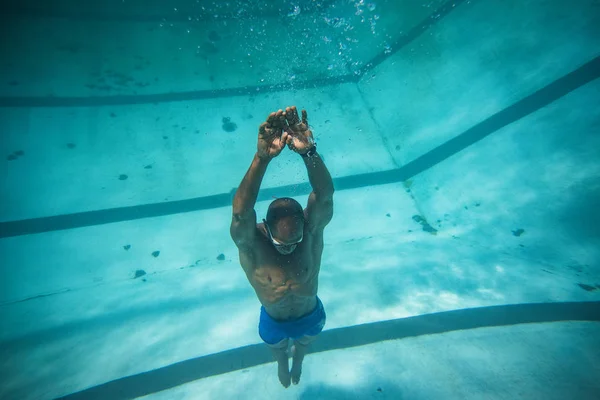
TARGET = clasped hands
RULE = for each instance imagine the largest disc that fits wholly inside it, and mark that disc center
(284, 128)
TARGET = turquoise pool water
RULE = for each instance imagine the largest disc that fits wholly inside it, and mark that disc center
(462, 140)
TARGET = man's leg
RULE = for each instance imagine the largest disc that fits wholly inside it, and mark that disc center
(298, 352)
(281, 355)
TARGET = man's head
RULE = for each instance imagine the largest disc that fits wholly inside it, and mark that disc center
(285, 224)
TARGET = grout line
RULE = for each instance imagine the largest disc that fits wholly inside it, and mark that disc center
(405, 39)
(103, 282)
(98, 101)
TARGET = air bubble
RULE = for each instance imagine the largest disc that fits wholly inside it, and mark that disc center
(295, 12)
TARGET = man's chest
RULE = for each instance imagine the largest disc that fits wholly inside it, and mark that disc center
(297, 267)
(282, 274)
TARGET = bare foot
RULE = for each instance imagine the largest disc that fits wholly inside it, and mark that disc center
(284, 374)
(296, 372)
(280, 352)
(296, 367)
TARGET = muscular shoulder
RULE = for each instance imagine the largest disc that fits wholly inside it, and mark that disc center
(318, 212)
(316, 240)
(249, 252)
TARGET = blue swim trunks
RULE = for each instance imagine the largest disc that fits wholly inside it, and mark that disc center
(273, 332)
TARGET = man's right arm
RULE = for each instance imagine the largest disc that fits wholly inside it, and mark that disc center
(243, 224)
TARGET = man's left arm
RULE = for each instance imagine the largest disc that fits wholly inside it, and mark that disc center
(320, 202)
(300, 139)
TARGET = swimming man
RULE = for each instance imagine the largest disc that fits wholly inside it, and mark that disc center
(282, 255)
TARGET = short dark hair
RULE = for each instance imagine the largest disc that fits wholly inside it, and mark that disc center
(284, 207)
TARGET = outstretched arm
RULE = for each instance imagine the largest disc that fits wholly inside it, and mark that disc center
(271, 140)
(320, 202)
(300, 140)
(319, 176)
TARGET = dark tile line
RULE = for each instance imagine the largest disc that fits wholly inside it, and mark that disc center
(101, 217)
(540, 98)
(170, 15)
(183, 372)
(528, 105)
(91, 101)
(96, 101)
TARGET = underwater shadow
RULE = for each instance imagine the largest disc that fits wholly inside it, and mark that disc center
(341, 338)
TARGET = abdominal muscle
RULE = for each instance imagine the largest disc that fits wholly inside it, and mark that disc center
(290, 307)
(286, 299)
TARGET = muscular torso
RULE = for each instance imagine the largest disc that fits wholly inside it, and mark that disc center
(286, 285)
